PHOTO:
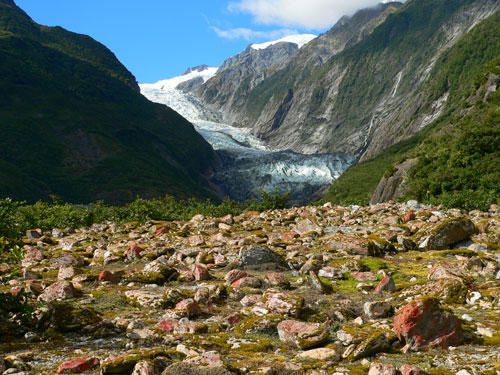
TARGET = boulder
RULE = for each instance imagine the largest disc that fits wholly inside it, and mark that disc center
(302, 335)
(261, 258)
(445, 234)
(58, 291)
(424, 324)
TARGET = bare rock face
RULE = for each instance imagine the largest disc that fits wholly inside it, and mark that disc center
(393, 187)
(424, 324)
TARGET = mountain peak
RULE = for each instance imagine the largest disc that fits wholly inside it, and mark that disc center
(299, 39)
(198, 68)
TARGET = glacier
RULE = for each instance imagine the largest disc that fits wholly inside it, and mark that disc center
(247, 165)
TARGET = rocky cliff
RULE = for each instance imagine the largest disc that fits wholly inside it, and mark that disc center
(357, 88)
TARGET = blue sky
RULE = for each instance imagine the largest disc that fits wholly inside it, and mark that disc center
(157, 39)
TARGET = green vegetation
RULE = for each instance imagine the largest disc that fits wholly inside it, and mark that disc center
(17, 217)
(459, 154)
(74, 123)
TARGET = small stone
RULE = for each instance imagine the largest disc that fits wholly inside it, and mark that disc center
(188, 307)
(284, 303)
(200, 272)
(381, 369)
(34, 234)
(377, 309)
(386, 285)
(247, 282)
(319, 354)
(408, 369)
(144, 368)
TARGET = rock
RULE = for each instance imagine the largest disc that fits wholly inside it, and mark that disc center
(122, 364)
(144, 368)
(386, 285)
(424, 324)
(394, 186)
(159, 271)
(261, 258)
(319, 354)
(34, 234)
(307, 226)
(200, 272)
(184, 368)
(277, 279)
(78, 365)
(373, 344)
(234, 275)
(284, 303)
(58, 291)
(381, 369)
(410, 370)
(147, 298)
(330, 273)
(188, 307)
(445, 234)
(410, 216)
(302, 335)
(66, 273)
(247, 282)
(32, 256)
(377, 309)
(134, 251)
(66, 317)
(110, 277)
(446, 271)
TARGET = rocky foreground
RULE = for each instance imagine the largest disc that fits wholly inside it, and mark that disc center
(387, 289)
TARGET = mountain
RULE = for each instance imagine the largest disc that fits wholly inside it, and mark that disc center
(357, 88)
(176, 93)
(455, 160)
(228, 90)
(75, 125)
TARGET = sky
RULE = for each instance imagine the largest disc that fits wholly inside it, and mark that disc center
(159, 39)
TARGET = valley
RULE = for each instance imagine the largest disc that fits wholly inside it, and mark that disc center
(248, 166)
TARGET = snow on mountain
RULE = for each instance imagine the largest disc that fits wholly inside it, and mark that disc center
(300, 40)
(172, 83)
(166, 92)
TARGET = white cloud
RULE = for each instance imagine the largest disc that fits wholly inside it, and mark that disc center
(309, 14)
(251, 35)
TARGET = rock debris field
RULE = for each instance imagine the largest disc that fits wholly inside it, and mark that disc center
(386, 289)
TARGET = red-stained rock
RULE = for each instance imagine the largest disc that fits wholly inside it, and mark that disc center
(247, 282)
(382, 369)
(134, 251)
(78, 365)
(424, 324)
(235, 275)
(233, 319)
(168, 325)
(386, 285)
(410, 216)
(112, 277)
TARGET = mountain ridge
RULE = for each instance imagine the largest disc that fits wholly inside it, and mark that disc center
(75, 125)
